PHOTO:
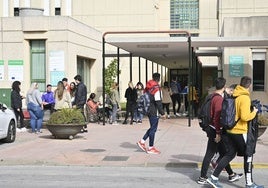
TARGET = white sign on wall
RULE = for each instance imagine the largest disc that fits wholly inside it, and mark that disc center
(15, 70)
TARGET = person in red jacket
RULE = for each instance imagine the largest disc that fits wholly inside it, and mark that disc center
(155, 107)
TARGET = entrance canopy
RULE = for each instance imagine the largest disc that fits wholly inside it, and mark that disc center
(166, 50)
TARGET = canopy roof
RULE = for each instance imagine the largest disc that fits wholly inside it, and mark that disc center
(166, 50)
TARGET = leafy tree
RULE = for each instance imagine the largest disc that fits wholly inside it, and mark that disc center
(110, 75)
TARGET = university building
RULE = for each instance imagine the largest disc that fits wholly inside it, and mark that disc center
(45, 40)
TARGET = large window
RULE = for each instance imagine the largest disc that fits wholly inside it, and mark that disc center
(184, 14)
(258, 71)
(38, 63)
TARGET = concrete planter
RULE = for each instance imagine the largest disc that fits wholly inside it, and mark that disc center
(65, 131)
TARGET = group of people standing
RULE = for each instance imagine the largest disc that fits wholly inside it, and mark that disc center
(64, 96)
(233, 142)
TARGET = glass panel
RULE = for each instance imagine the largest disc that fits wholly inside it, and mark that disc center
(38, 63)
(184, 14)
(258, 75)
(38, 66)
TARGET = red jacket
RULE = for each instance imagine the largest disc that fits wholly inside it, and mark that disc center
(216, 105)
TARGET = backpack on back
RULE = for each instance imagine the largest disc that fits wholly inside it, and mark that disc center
(228, 111)
(143, 103)
(204, 116)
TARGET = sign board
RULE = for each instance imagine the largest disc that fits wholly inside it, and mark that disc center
(236, 66)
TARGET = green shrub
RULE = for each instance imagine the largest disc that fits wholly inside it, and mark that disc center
(67, 116)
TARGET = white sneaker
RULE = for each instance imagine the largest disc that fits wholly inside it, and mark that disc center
(23, 129)
(115, 123)
(18, 130)
(178, 114)
(168, 116)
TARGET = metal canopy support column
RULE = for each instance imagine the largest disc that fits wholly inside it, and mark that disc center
(146, 70)
(139, 69)
(190, 80)
(118, 65)
(103, 78)
(130, 65)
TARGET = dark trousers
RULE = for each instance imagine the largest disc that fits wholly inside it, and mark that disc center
(237, 145)
(212, 148)
(176, 98)
(130, 107)
(151, 131)
(166, 106)
(20, 117)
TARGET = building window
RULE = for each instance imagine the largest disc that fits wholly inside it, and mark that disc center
(258, 69)
(16, 11)
(38, 63)
(184, 14)
(57, 11)
(258, 75)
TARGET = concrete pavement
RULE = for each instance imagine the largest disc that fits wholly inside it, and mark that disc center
(110, 145)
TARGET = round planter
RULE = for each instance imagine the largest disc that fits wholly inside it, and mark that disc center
(65, 131)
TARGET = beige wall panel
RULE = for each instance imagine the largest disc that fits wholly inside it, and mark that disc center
(57, 23)
(11, 24)
(12, 36)
(35, 23)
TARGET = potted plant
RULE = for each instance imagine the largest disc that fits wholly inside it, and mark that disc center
(66, 123)
(263, 123)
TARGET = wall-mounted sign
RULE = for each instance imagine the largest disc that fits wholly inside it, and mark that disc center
(56, 76)
(56, 60)
(15, 70)
(236, 66)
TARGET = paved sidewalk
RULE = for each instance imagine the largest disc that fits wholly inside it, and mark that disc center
(110, 145)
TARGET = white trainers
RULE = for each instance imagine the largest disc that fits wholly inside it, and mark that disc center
(178, 114)
(23, 129)
(115, 123)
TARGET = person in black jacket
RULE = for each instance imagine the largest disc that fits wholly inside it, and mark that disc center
(80, 98)
(16, 103)
(131, 96)
(155, 107)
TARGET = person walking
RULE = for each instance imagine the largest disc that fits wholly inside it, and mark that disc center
(16, 104)
(80, 98)
(237, 136)
(35, 107)
(153, 87)
(175, 96)
(131, 96)
(166, 93)
(215, 142)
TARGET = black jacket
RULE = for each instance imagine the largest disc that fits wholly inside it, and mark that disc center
(16, 100)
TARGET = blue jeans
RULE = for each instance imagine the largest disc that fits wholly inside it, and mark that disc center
(137, 115)
(151, 131)
(114, 112)
(36, 116)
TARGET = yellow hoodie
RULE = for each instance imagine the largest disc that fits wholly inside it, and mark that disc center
(242, 105)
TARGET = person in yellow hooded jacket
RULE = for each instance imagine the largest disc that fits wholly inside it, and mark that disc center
(237, 137)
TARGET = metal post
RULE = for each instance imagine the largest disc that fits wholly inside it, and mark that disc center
(103, 79)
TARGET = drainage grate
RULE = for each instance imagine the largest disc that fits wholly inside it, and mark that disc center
(93, 150)
(115, 158)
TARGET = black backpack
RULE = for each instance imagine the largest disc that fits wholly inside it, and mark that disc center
(204, 116)
(228, 111)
